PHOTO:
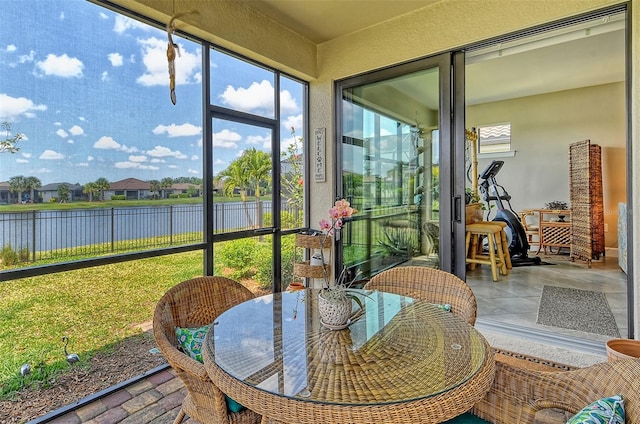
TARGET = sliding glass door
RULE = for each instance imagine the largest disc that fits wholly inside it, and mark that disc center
(395, 165)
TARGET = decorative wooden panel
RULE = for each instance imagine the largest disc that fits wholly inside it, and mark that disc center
(587, 209)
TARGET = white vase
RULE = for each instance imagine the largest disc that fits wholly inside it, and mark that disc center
(334, 313)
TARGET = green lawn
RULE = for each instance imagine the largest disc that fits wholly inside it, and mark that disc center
(94, 307)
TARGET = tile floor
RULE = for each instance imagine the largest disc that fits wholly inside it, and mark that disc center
(513, 300)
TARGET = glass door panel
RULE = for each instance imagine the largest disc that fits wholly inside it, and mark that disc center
(390, 172)
(242, 169)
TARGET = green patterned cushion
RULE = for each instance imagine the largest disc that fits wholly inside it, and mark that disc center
(191, 340)
(466, 418)
(603, 411)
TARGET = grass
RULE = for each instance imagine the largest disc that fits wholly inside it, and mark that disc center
(94, 307)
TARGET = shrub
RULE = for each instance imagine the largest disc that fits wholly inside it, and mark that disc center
(264, 267)
(288, 219)
(118, 197)
(238, 256)
(9, 256)
(23, 254)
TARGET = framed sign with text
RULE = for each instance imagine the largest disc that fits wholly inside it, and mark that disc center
(319, 156)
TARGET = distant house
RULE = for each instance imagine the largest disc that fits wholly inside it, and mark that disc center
(181, 188)
(131, 188)
(50, 191)
(5, 194)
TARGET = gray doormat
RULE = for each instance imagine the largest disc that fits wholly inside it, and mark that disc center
(581, 310)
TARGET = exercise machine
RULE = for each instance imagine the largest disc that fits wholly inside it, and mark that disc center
(491, 191)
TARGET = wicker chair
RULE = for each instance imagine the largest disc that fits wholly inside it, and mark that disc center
(432, 285)
(194, 303)
(518, 392)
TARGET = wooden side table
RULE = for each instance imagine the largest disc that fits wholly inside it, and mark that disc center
(555, 229)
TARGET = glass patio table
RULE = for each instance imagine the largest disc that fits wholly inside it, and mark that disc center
(400, 360)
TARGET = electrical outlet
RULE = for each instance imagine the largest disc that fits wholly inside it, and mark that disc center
(606, 228)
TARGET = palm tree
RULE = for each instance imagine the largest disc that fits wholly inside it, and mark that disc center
(63, 193)
(102, 184)
(258, 166)
(235, 176)
(31, 183)
(154, 187)
(17, 184)
(165, 184)
(90, 189)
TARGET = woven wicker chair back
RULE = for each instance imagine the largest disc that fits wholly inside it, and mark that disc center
(194, 303)
(431, 285)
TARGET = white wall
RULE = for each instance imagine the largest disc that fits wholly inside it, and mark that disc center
(542, 127)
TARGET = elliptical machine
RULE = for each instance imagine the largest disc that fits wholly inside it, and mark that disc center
(491, 191)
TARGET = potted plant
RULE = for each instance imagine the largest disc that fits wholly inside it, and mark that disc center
(557, 205)
(336, 297)
(473, 207)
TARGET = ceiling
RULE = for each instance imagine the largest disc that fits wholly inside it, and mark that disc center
(584, 55)
(324, 20)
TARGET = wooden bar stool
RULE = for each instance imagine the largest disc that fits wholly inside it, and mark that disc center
(495, 258)
(505, 244)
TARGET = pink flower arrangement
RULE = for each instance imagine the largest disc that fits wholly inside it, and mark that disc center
(341, 210)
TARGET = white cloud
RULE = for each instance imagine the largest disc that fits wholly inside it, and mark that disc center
(288, 103)
(161, 151)
(62, 133)
(259, 140)
(139, 158)
(115, 59)
(135, 165)
(226, 139)
(173, 166)
(122, 24)
(174, 130)
(258, 97)
(61, 66)
(106, 143)
(82, 118)
(156, 160)
(195, 157)
(22, 161)
(294, 121)
(42, 171)
(89, 158)
(26, 155)
(193, 171)
(127, 149)
(51, 155)
(76, 130)
(82, 165)
(11, 48)
(27, 58)
(154, 58)
(12, 107)
(70, 141)
(103, 15)
(104, 76)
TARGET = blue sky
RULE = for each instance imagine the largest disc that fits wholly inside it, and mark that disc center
(89, 90)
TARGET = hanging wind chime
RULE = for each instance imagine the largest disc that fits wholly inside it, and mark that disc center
(172, 51)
